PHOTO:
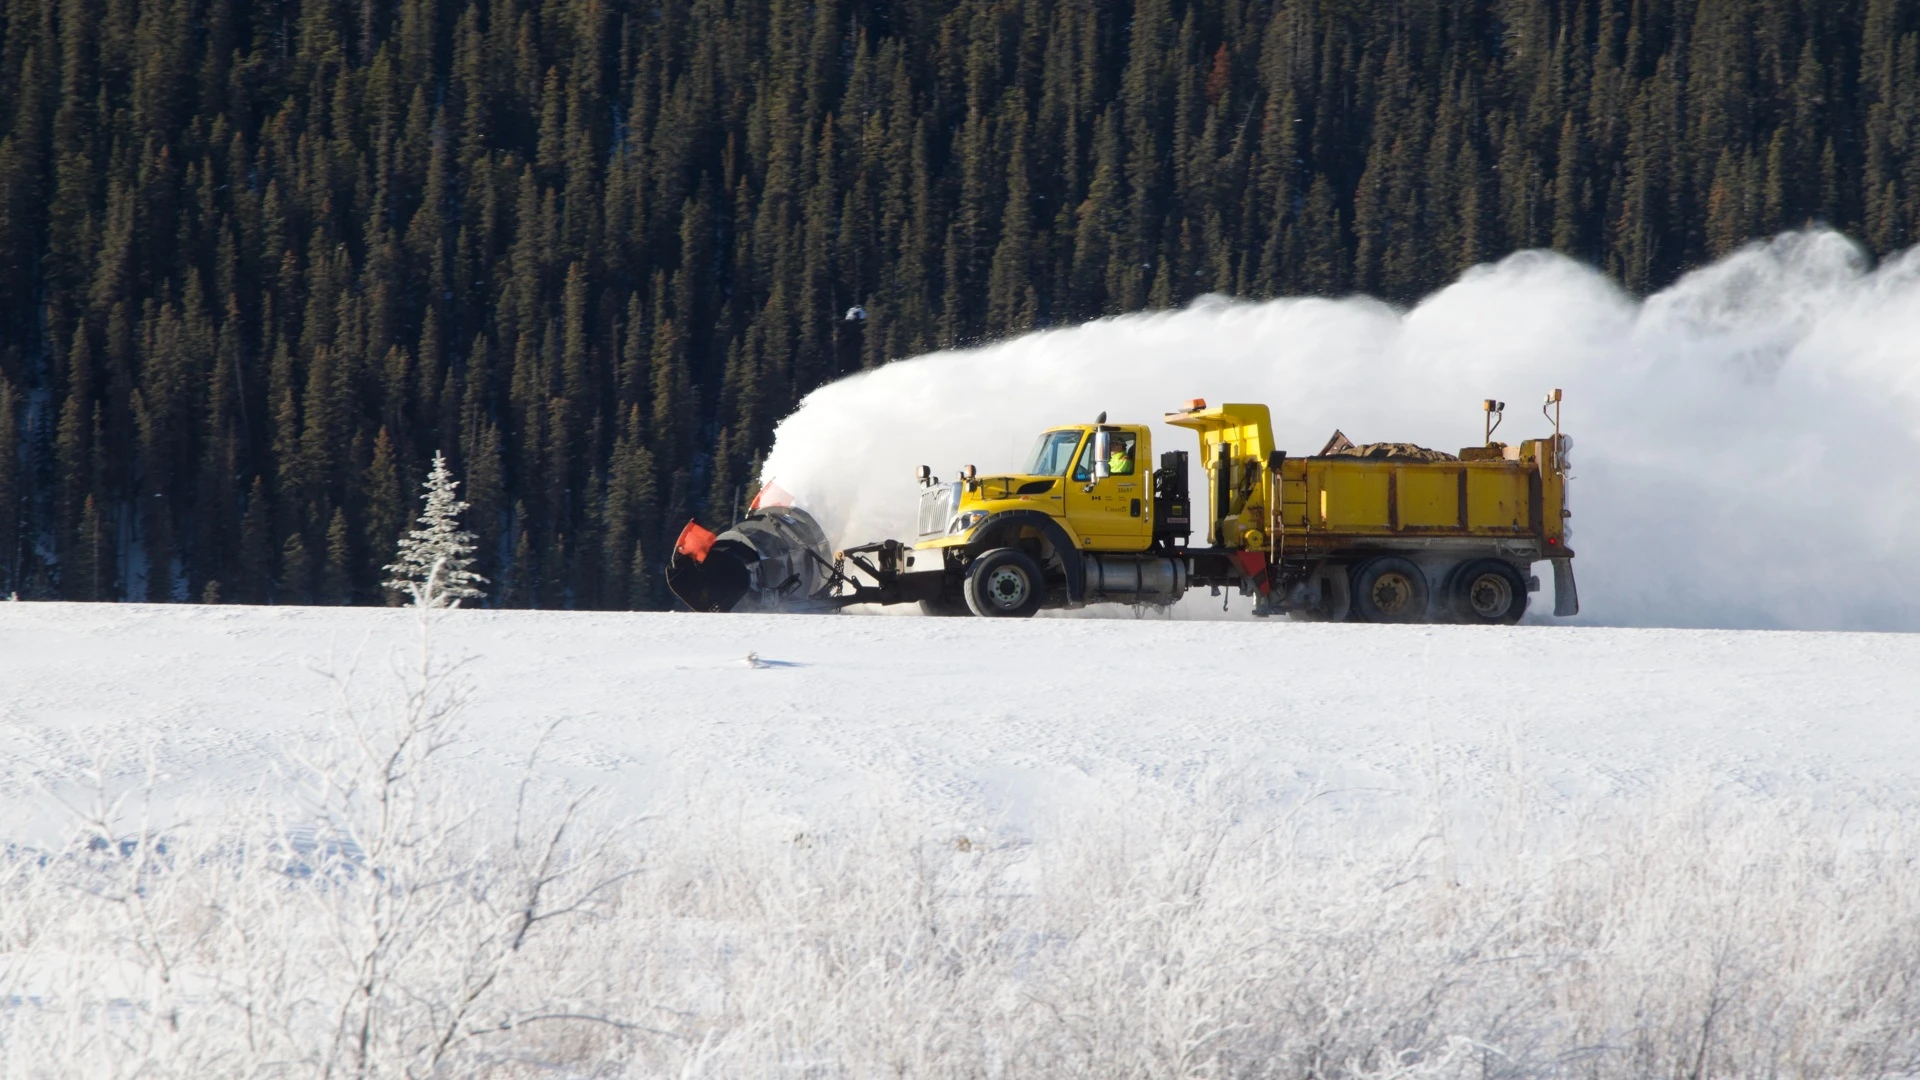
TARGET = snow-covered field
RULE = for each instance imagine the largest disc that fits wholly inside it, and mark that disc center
(968, 719)
(887, 846)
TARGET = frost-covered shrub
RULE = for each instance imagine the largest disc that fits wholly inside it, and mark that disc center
(384, 923)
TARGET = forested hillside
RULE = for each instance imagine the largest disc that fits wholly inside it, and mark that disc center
(258, 261)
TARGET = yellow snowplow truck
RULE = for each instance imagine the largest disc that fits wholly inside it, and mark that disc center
(1383, 532)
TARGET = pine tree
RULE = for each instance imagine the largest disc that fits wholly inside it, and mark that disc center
(433, 564)
(336, 578)
(385, 503)
(1011, 268)
(88, 572)
(10, 493)
(256, 553)
(296, 572)
(523, 580)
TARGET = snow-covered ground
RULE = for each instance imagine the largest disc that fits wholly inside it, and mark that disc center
(852, 846)
(972, 719)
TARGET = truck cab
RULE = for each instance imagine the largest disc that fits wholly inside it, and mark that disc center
(1092, 480)
(1080, 522)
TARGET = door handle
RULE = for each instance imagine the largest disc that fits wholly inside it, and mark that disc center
(1136, 508)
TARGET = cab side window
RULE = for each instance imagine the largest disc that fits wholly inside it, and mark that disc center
(1120, 456)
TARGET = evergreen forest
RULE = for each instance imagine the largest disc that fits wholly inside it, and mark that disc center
(259, 261)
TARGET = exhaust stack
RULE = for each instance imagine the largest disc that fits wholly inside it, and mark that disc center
(774, 559)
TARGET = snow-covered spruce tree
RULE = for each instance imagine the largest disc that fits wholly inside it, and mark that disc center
(432, 565)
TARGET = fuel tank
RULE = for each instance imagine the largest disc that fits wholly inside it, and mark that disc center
(774, 559)
(1135, 579)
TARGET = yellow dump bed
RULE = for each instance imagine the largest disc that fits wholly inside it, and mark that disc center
(1331, 499)
(1328, 505)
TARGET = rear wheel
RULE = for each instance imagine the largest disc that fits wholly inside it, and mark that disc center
(1489, 592)
(1390, 590)
(1005, 583)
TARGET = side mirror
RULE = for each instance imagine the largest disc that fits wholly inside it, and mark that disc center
(1102, 446)
(925, 475)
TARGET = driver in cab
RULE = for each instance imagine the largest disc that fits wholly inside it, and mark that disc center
(1120, 458)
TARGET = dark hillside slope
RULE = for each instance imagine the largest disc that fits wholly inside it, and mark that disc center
(259, 260)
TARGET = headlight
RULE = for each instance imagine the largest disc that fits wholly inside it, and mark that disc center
(967, 521)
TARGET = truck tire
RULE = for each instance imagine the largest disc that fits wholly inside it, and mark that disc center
(1336, 600)
(1389, 590)
(1488, 592)
(1005, 583)
(945, 606)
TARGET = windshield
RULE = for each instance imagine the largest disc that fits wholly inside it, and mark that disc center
(1053, 454)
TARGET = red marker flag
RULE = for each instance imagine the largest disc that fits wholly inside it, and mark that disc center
(695, 541)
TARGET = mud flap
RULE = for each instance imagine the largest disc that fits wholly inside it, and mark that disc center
(1566, 596)
(1253, 566)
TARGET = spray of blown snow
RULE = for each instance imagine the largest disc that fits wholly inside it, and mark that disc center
(1747, 442)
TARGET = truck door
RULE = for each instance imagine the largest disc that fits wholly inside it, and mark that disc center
(1114, 512)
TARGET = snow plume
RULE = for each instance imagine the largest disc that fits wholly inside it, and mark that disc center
(1746, 443)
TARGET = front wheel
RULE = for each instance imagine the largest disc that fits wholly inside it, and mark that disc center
(945, 606)
(1004, 583)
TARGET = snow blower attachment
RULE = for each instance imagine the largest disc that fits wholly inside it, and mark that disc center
(774, 559)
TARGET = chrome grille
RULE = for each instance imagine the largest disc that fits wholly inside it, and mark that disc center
(937, 507)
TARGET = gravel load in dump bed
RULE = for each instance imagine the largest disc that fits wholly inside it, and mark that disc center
(1340, 446)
